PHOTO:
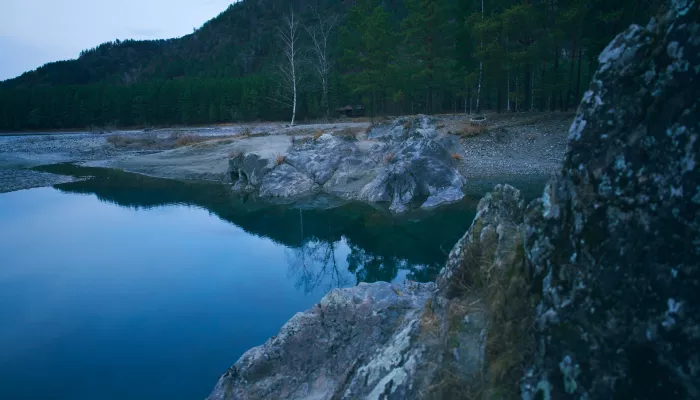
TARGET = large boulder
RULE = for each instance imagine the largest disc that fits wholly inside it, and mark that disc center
(404, 163)
(418, 169)
(355, 343)
(614, 243)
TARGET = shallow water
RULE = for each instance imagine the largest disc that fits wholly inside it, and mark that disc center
(128, 287)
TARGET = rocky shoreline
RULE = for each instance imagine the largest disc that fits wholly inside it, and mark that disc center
(410, 161)
(589, 292)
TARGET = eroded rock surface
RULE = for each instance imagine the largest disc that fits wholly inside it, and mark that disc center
(614, 243)
(405, 163)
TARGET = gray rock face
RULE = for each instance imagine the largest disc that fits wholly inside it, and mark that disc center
(418, 168)
(614, 243)
(384, 341)
(248, 170)
(356, 343)
(286, 181)
(404, 163)
(495, 234)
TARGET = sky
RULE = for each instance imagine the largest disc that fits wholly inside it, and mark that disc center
(34, 32)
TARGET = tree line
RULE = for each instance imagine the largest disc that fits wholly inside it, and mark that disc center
(392, 56)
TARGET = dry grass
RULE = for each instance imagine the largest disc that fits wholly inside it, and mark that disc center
(505, 292)
(389, 158)
(279, 159)
(429, 322)
(152, 141)
(457, 157)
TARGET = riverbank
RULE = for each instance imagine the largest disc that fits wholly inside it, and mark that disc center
(529, 144)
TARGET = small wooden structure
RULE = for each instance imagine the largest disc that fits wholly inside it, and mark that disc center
(350, 111)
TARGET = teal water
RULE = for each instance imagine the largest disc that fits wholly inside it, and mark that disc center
(128, 287)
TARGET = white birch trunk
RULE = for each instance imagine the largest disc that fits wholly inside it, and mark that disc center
(288, 70)
(481, 69)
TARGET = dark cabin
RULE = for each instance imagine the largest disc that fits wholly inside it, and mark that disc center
(350, 111)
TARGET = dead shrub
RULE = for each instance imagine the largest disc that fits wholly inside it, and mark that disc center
(429, 322)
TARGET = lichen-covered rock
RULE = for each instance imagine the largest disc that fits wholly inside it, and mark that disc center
(614, 243)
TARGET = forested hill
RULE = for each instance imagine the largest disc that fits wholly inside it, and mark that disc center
(393, 56)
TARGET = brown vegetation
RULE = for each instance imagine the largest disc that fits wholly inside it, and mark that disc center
(151, 141)
(504, 291)
(279, 159)
(318, 134)
(457, 157)
(186, 140)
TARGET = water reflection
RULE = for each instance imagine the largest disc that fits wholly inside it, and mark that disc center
(338, 245)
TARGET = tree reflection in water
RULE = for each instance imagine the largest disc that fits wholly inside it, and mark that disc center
(339, 244)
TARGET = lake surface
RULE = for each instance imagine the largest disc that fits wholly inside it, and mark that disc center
(121, 286)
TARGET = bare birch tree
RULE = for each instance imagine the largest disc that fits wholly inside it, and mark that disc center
(320, 34)
(289, 67)
(481, 69)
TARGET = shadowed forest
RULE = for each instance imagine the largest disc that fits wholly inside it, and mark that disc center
(391, 56)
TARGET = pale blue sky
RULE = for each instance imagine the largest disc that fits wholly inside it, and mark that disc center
(34, 32)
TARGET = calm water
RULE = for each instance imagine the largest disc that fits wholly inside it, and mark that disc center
(127, 287)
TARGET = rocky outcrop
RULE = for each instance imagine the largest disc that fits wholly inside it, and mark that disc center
(594, 287)
(384, 341)
(614, 243)
(404, 164)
